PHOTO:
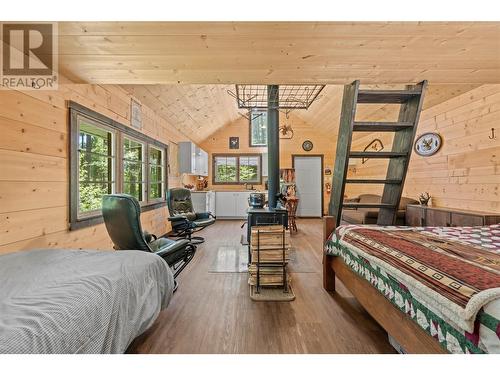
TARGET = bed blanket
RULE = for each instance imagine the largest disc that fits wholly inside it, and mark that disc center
(79, 301)
(455, 276)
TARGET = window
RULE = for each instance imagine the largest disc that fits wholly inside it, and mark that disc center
(97, 143)
(156, 173)
(133, 169)
(236, 169)
(96, 157)
(225, 169)
(249, 169)
(258, 128)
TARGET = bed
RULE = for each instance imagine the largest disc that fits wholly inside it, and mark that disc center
(435, 290)
(79, 301)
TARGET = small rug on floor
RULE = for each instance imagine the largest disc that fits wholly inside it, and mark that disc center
(234, 259)
(230, 258)
(272, 294)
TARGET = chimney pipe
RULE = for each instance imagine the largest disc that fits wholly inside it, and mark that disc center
(273, 145)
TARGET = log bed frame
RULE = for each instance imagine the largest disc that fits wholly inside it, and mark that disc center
(404, 330)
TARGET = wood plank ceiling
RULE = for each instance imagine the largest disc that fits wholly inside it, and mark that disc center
(283, 52)
(198, 111)
(182, 70)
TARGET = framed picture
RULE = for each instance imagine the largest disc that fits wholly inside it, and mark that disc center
(135, 114)
(234, 143)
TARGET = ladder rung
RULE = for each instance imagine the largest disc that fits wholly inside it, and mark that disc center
(367, 205)
(381, 126)
(377, 155)
(363, 181)
(386, 96)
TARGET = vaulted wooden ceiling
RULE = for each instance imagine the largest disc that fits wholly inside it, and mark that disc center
(280, 52)
(200, 110)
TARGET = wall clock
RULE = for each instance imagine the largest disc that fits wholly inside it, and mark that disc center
(428, 144)
(307, 145)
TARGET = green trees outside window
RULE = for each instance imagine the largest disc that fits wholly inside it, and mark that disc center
(249, 169)
(156, 173)
(258, 128)
(133, 168)
(225, 169)
(236, 169)
(96, 158)
(107, 158)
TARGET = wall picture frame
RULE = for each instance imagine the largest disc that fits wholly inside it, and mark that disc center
(135, 114)
(234, 143)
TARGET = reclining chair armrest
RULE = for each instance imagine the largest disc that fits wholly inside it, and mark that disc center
(177, 218)
(351, 200)
(204, 215)
(149, 237)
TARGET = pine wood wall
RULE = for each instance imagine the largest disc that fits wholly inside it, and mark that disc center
(465, 173)
(323, 145)
(34, 165)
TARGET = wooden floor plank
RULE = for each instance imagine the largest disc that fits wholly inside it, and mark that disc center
(213, 313)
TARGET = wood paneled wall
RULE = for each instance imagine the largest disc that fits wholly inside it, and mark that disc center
(34, 165)
(323, 145)
(465, 173)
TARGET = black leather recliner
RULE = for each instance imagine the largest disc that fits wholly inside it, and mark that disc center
(122, 213)
(185, 221)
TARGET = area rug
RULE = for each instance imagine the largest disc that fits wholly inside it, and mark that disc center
(234, 259)
(272, 294)
(230, 259)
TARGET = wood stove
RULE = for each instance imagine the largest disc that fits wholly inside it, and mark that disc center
(274, 214)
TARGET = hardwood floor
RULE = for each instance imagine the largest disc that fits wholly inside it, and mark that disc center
(212, 312)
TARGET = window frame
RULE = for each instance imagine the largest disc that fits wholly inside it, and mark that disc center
(250, 133)
(144, 163)
(114, 154)
(238, 156)
(164, 177)
(120, 131)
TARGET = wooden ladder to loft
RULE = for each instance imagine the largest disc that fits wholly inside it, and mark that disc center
(411, 104)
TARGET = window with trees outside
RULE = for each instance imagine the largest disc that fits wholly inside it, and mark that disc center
(108, 157)
(258, 128)
(133, 168)
(156, 173)
(96, 156)
(236, 169)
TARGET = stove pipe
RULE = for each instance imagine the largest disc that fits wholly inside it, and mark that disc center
(273, 144)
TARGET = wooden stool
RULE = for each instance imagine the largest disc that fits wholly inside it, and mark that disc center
(291, 207)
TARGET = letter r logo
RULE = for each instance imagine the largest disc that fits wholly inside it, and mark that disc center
(28, 49)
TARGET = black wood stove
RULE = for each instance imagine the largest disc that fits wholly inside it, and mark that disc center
(274, 213)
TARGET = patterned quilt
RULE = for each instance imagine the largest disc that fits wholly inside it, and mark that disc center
(446, 279)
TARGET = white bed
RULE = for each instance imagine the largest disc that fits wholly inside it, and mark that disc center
(79, 301)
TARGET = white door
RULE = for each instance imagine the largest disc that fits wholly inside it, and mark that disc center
(308, 179)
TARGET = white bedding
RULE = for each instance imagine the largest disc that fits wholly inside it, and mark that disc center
(79, 301)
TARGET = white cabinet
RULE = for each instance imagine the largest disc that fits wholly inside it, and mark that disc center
(203, 201)
(225, 204)
(241, 205)
(199, 200)
(231, 205)
(201, 162)
(192, 159)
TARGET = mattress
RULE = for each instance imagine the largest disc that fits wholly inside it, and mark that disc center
(445, 279)
(79, 301)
